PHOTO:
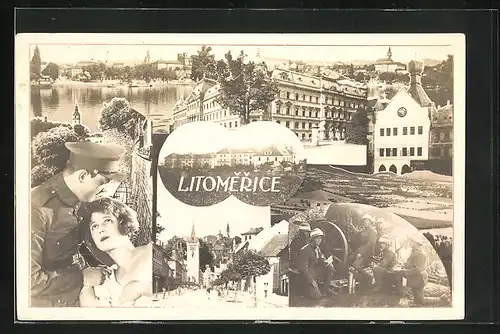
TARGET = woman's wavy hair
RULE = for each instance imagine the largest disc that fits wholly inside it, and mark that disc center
(127, 225)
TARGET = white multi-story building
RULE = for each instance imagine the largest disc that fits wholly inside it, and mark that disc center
(401, 129)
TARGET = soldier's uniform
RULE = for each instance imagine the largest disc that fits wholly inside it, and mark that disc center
(416, 274)
(384, 273)
(312, 267)
(56, 263)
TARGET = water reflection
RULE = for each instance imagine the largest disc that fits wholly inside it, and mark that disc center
(57, 103)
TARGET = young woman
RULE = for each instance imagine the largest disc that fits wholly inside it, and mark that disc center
(108, 225)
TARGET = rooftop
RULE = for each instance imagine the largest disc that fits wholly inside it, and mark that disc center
(277, 244)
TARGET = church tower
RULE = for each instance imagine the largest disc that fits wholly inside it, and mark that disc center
(193, 257)
(77, 116)
(389, 53)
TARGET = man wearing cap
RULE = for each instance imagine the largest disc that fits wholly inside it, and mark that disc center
(56, 264)
(314, 266)
(415, 271)
(384, 272)
(300, 240)
(363, 254)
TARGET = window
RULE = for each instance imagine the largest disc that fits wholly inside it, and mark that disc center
(303, 125)
(394, 152)
(394, 131)
(303, 112)
(387, 152)
(287, 95)
(288, 110)
(419, 151)
(404, 151)
(326, 99)
(287, 124)
(381, 132)
(303, 97)
(297, 112)
(412, 130)
(310, 98)
(235, 124)
(381, 152)
(412, 151)
(420, 130)
(278, 122)
(310, 125)
(388, 131)
(317, 99)
(296, 96)
(405, 131)
(296, 125)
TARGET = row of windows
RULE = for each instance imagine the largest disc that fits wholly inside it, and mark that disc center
(404, 152)
(315, 99)
(387, 131)
(334, 114)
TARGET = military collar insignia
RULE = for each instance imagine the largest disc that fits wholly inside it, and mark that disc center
(63, 192)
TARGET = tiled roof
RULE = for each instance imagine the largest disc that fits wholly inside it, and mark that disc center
(418, 93)
(275, 245)
(275, 151)
(253, 231)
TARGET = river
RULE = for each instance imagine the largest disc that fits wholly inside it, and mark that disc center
(57, 103)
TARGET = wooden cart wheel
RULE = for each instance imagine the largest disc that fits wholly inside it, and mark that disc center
(335, 243)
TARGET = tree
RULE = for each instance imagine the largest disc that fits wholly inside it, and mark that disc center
(228, 231)
(357, 128)
(48, 153)
(370, 68)
(52, 70)
(173, 243)
(206, 255)
(35, 65)
(251, 264)
(388, 77)
(118, 114)
(38, 125)
(244, 89)
(81, 130)
(203, 64)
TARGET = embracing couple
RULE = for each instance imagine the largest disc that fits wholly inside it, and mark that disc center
(81, 252)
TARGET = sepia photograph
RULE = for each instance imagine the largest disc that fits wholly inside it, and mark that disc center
(304, 176)
(258, 170)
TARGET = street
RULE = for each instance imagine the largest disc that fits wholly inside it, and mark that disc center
(200, 299)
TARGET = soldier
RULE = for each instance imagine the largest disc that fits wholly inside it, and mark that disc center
(56, 264)
(415, 271)
(363, 254)
(384, 272)
(300, 240)
(313, 266)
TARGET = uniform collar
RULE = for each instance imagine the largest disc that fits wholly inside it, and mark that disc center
(62, 190)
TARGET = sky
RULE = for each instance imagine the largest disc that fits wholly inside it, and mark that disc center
(211, 137)
(178, 218)
(70, 54)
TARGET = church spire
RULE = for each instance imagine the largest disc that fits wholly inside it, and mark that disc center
(193, 234)
(389, 53)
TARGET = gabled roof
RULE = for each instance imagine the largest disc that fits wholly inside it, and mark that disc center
(277, 244)
(418, 93)
(275, 151)
(253, 231)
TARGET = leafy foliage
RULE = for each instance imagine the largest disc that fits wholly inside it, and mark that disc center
(357, 129)
(81, 130)
(203, 64)
(48, 153)
(52, 70)
(38, 125)
(251, 263)
(206, 256)
(35, 65)
(244, 88)
(118, 114)
(438, 81)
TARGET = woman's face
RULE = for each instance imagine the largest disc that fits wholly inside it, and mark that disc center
(104, 231)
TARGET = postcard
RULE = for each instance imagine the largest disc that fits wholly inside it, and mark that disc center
(240, 176)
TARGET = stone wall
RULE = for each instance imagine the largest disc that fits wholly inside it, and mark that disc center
(142, 195)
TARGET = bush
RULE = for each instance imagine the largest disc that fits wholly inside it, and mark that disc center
(39, 125)
(48, 153)
(444, 249)
(118, 115)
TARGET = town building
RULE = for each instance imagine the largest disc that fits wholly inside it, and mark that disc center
(388, 65)
(193, 257)
(161, 269)
(173, 65)
(402, 125)
(303, 102)
(246, 236)
(441, 140)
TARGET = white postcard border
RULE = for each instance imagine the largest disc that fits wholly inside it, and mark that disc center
(22, 181)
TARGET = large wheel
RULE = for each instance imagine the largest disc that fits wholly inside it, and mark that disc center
(335, 243)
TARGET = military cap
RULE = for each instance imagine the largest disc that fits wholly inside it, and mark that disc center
(316, 233)
(96, 158)
(305, 227)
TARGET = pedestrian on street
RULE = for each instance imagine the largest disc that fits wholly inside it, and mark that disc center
(57, 266)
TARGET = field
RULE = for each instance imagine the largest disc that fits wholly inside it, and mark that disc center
(423, 199)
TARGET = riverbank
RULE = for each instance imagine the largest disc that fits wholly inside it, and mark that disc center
(116, 84)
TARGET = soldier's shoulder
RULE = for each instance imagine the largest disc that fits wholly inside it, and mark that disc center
(42, 194)
(305, 247)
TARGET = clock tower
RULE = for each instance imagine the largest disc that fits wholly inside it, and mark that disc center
(193, 257)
